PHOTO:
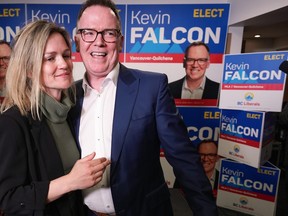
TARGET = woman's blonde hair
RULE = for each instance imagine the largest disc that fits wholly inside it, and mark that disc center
(23, 79)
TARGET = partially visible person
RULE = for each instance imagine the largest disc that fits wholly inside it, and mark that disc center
(283, 123)
(195, 84)
(208, 150)
(5, 52)
(126, 115)
(209, 157)
(282, 118)
(40, 172)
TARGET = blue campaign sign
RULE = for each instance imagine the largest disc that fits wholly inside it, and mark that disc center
(251, 80)
(169, 29)
(243, 179)
(246, 125)
(164, 30)
(64, 15)
(254, 68)
(122, 14)
(12, 19)
(202, 123)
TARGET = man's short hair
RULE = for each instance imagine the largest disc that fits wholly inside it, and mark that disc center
(207, 141)
(4, 42)
(195, 44)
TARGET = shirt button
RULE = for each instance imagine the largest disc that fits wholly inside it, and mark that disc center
(22, 205)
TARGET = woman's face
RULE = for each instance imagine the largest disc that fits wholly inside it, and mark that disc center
(57, 66)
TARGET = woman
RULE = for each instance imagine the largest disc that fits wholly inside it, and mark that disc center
(37, 149)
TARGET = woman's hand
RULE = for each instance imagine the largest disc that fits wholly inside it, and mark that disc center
(86, 173)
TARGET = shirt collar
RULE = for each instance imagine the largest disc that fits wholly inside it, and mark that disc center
(202, 85)
(113, 76)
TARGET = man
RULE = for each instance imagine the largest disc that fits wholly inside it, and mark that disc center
(125, 115)
(208, 152)
(5, 52)
(195, 84)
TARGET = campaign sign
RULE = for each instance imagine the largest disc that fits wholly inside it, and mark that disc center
(247, 189)
(153, 33)
(246, 136)
(12, 19)
(161, 33)
(253, 81)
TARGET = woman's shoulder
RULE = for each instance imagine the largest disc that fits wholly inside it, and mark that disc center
(13, 114)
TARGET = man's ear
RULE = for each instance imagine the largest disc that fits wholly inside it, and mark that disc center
(208, 64)
(121, 43)
(77, 43)
(184, 63)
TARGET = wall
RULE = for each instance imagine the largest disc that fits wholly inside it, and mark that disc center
(244, 10)
(254, 45)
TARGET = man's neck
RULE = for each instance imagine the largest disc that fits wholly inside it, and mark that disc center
(194, 84)
(95, 82)
(209, 174)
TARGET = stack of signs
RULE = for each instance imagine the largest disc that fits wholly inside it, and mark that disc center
(247, 189)
(253, 82)
(245, 136)
(252, 88)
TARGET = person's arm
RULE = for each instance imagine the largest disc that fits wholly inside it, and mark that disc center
(182, 155)
(85, 173)
(20, 193)
(283, 117)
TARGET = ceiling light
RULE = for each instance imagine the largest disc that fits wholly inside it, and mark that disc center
(257, 36)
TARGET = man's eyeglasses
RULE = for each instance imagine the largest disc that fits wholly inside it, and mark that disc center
(108, 35)
(5, 59)
(200, 61)
(210, 156)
